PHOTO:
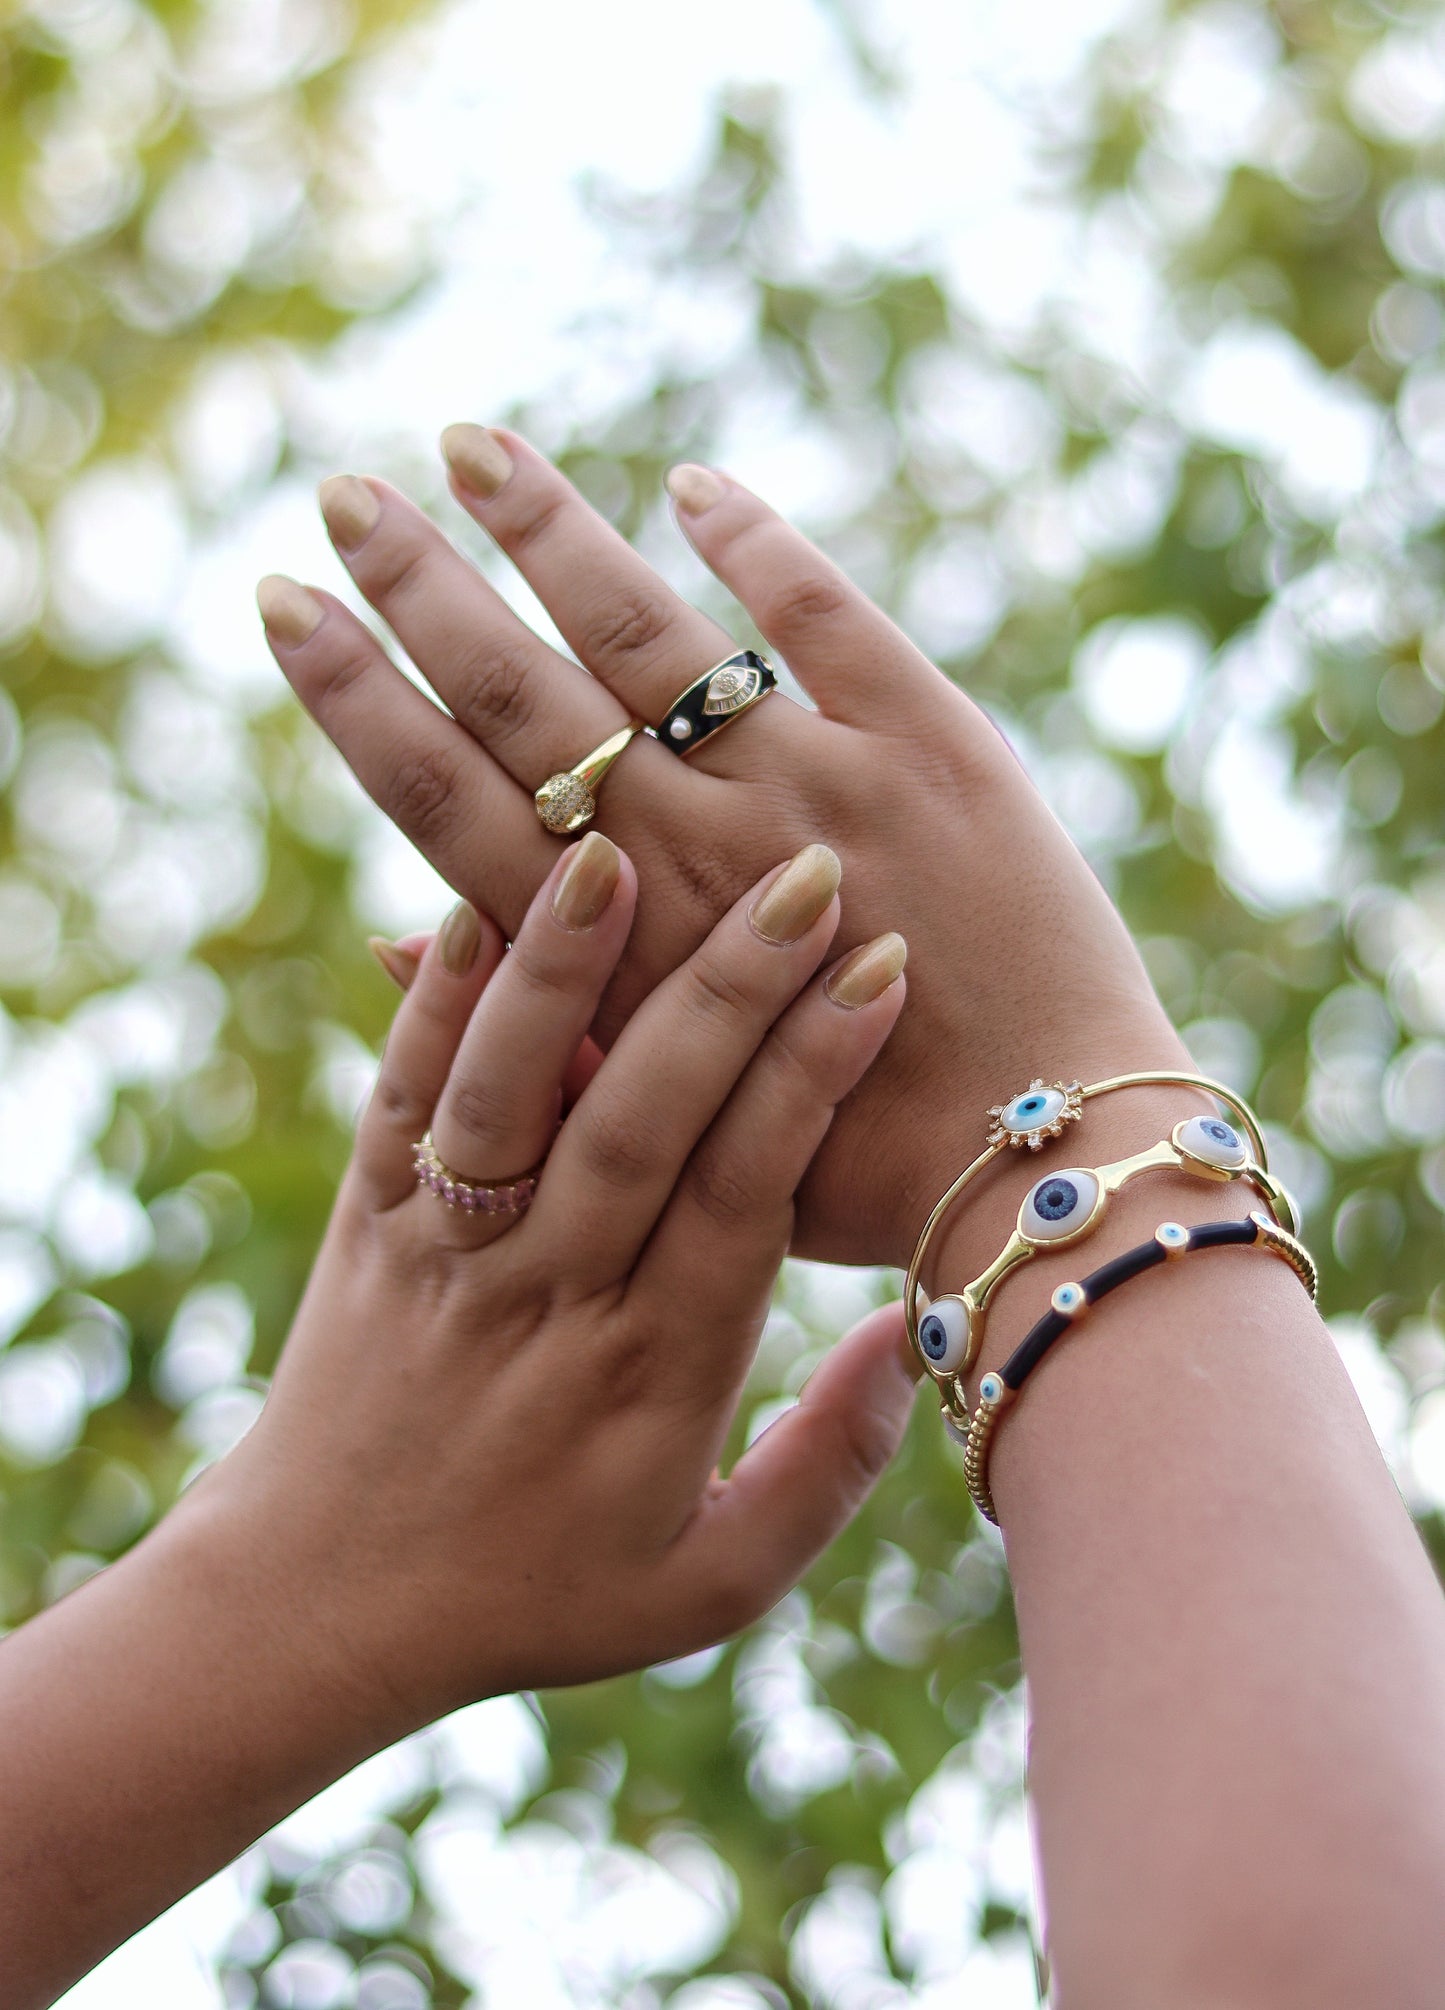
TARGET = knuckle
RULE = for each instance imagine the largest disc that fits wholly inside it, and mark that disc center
(496, 695)
(481, 1107)
(397, 571)
(532, 521)
(631, 623)
(791, 607)
(711, 884)
(713, 994)
(616, 1146)
(422, 797)
(721, 1186)
(401, 1103)
(326, 684)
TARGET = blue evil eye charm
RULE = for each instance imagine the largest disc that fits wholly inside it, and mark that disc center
(943, 1335)
(1213, 1142)
(1032, 1111)
(1059, 1205)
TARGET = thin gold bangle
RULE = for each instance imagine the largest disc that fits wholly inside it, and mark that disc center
(1176, 1153)
(1001, 1141)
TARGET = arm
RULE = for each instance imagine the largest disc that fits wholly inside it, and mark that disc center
(440, 1503)
(1234, 1645)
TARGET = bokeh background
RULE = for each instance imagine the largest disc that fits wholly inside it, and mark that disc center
(1102, 340)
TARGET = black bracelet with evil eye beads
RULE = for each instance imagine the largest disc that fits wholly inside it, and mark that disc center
(1071, 1301)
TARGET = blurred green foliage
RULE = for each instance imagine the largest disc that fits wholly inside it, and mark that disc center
(179, 952)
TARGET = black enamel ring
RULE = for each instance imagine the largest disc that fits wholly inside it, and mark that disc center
(719, 696)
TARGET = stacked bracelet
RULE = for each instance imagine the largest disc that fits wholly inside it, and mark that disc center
(1064, 1207)
(1040, 1112)
(1072, 1301)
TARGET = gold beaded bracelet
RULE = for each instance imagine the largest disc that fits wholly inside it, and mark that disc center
(1070, 1302)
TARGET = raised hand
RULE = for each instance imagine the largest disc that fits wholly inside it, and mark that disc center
(1020, 963)
(487, 1460)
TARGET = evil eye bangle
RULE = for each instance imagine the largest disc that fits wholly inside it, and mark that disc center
(1064, 1207)
(1042, 1111)
(1071, 1302)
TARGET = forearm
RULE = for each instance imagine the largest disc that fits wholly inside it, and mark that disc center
(151, 1726)
(1234, 1642)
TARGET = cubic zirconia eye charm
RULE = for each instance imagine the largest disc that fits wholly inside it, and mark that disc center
(1040, 1112)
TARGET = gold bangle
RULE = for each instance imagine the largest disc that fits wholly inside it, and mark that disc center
(1071, 1301)
(1017, 1125)
(1062, 1208)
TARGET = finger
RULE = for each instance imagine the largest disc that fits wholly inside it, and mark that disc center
(800, 1484)
(729, 1222)
(400, 959)
(859, 667)
(534, 711)
(420, 1050)
(626, 624)
(429, 775)
(623, 1147)
(498, 1112)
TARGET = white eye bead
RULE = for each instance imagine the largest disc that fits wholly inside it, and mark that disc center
(1214, 1141)
(1031, 1111)
(943, 1335)
(1059, 1205)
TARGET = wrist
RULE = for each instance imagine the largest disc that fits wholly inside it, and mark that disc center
(1114, 1127)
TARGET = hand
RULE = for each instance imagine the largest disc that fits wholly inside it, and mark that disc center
(1020, 964)
(488, 1456)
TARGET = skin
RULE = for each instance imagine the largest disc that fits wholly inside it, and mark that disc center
(1234, 1644)
(537, 1429)
(909, 779)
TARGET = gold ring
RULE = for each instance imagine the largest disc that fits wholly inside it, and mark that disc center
(568, 801)
(715, 699)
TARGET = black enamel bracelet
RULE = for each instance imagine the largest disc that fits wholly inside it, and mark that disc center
(1071, 1301)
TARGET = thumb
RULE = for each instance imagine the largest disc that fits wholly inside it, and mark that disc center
(804, 1479)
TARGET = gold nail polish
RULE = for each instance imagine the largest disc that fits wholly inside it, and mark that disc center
(589, 880)
(477, 458)
(867, 972)
(797, 896)
(290, 613)
(460, 939)
(351, 510)
(399, 964)
(694, 489)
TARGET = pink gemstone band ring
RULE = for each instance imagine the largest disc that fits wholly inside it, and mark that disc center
(509, 1197)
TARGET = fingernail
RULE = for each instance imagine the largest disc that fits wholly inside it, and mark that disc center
(693, 488)
(460, 939)
(797, 896)
(584, 892)
(867, 973)
(350, 509)
(290, 613)
(398, 963)
(477, 458)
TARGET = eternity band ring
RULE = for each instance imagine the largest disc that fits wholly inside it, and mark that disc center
(512, 1196)
(715, 699)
